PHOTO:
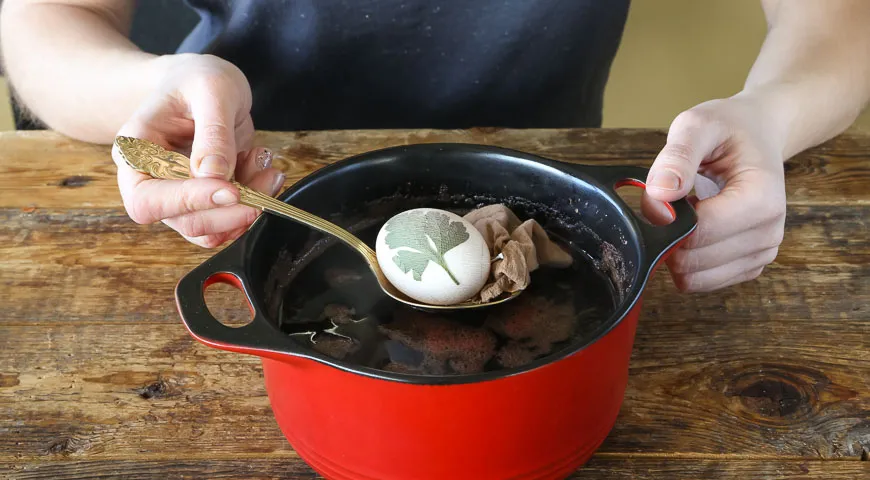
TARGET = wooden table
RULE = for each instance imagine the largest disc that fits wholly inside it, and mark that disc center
(98, 378)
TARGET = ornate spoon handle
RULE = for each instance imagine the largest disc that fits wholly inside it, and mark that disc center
(152, 159)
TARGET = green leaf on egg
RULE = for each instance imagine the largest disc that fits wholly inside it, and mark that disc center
(411, 261)
(423, 238)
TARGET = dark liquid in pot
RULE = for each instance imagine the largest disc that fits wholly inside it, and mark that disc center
(334, 306)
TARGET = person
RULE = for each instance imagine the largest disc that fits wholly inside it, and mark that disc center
(331, 64)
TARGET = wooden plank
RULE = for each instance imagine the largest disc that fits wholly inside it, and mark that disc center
(656, 468)
(47, 170)
(747, 388)
(175, 469)
(604, 467)
(128, 391)
(815, 235)
(95, 265)
(707, 386)
(841, 162)
(94, 238)
(47, 294)
(826, 235)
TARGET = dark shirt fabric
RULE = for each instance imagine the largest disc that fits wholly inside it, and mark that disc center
(357, 64)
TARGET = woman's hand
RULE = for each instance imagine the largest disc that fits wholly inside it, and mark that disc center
(202, 109)
(738, 160)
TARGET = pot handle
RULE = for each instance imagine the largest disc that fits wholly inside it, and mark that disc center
(258, 337)
(659, 240)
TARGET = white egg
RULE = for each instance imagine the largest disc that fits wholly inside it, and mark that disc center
(433, 256)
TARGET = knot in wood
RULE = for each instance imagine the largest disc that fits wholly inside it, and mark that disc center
(67, 446)
(75, 181)
(772, 397)
(155, 390)
(776, 394)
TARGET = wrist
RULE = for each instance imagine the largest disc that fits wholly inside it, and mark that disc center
(773, 112)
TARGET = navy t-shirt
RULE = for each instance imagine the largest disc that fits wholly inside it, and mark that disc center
(355, 64)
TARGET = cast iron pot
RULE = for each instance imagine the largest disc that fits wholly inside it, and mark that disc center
(540, 421)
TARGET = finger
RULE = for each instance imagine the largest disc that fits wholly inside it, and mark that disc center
(692, 260)
(252, 162)
(743, 277)
(270, 181)
(245, 134)
(277, 184)
(160, 119)
(223, 220)
(211, 222)
(716, 278)
(140, 123)
(207, 241)
(705, 187)
(658, 213)
(654, 210)
(692, 137)
(267, 183)
(263, 185)
(149, 200)
(213, 152)
(751, 199)
(230, 236)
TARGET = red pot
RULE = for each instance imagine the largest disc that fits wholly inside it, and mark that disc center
(540, 421)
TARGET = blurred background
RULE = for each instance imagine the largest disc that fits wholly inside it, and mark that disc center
(674, 54)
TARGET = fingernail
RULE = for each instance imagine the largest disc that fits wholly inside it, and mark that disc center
(664, 215)
(277, 183)
(223, 197)
(264, 159)
(665, 180)
(214, 165)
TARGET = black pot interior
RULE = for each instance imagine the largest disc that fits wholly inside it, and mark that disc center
(361, 193)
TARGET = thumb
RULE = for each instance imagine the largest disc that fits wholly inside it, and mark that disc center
(691, 139)
(213, 152)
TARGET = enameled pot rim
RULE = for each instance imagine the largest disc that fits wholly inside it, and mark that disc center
(228, 266)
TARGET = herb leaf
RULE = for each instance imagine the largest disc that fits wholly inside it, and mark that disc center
(424, 237)
(410, 261)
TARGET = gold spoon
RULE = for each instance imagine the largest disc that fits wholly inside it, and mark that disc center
(152, 159)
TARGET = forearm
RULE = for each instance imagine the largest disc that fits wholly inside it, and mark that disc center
(73, 66)
(813, 72)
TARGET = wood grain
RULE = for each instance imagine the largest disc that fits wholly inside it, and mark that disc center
(62, 173)
(98, 378)
(816, 235)
(721, 385)
(289, 469)
(51, 257)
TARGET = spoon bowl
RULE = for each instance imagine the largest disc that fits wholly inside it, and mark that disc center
(152, 159)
